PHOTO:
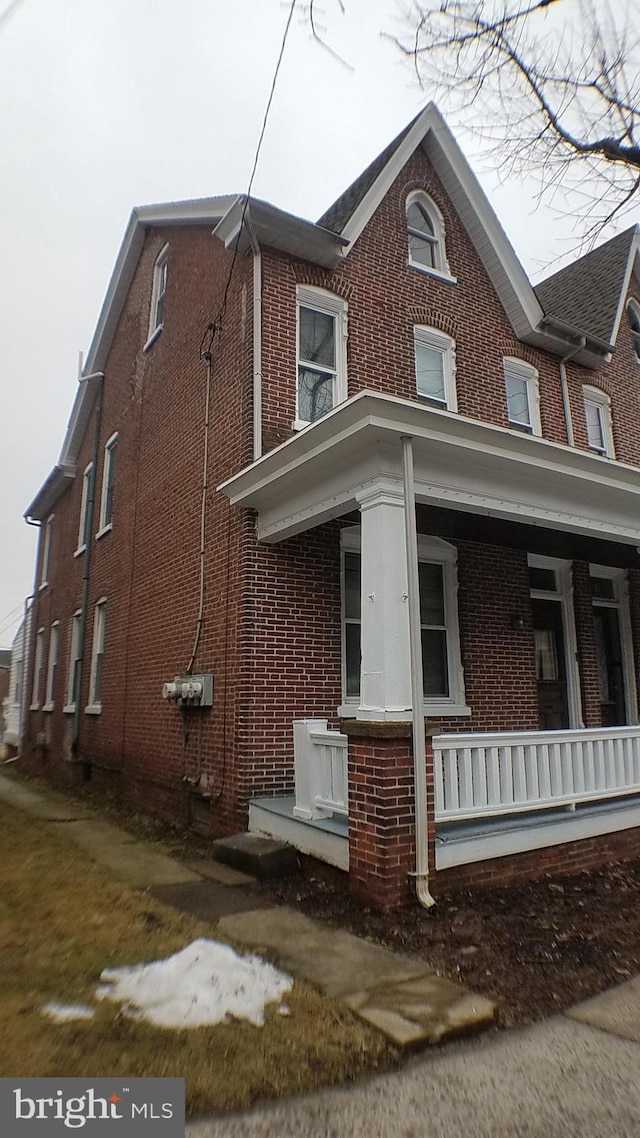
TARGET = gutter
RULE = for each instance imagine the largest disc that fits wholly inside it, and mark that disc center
(417, 684)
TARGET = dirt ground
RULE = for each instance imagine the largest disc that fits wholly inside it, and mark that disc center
(535, 948)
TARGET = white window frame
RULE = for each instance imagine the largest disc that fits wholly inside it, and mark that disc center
(74, 646)
(595, 397)
(94, 707)
(431, 550)
(441, 268)
(439, 342)
(83, 536)
(633, 315)
(158, 293)
(514, 368)
(106, 523)
(38, 662)
(52, 664)
(328, 303)
(620, 602)
(46, 553)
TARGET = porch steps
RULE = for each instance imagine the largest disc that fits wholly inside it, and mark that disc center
(256, 855)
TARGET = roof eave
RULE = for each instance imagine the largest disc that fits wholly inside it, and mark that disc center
(49, 493)
(277, 229)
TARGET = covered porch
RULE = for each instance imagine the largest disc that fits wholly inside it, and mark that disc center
(530, 695)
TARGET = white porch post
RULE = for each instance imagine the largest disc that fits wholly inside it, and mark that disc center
(385, 688)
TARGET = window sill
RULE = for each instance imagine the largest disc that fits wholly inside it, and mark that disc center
(350, 711)
(80, 550)
(93, 709)
(34, 707)
(69, 709)
(47, 707)
(300, 424)
(437, 273)
(42, 586)
(104, 530)
(153, 337)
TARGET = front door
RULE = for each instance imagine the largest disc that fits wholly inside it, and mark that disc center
(551, 672)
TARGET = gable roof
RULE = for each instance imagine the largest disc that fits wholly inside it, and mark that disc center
(338, 214)
(589, 292)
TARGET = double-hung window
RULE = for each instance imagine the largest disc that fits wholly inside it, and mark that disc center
(75, 660)
(425, 235)
(158, 293)
(38, 662)
(322, 354)
(522, 395)
(435, 367)
(443, 678)
(108, 473)
(633, 314)
(52, 666)
(97, 657)
(46, 553)
(597, 413)
(83, 525)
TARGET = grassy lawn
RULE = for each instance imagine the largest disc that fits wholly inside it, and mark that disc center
(62, 920)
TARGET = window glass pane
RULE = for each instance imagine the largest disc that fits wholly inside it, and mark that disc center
(422, 250)
(418, 218)
(542, 579)
(430, 372)
(108, 490)
(602, 587)
(315, 393)
(434, 662)
(317, 338)
(595, 431)
(546, 654)
(517, 400)
(352, 586)
(431, 593)
(352, 662)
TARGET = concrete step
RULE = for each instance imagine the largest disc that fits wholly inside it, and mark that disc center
(256, 855)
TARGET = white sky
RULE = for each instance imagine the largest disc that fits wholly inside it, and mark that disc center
(107, 104)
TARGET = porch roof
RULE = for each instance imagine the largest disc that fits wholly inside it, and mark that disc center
(460, 463)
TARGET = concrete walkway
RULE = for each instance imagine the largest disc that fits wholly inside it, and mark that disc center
(400, 995)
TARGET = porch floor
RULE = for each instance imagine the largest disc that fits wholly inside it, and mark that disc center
(460, 843)
(324, 838)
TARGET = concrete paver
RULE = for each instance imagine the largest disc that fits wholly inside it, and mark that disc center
(51, 808)
(221, 874)
(617, 1011)
(206, 900)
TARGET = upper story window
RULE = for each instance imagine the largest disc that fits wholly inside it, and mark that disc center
(425, 232)
(97, 656)
(597, 413)
(633, 313)
(322, 354)
(83, 525)
(435, 367)
(158, 292)
(46, 553)
(108, 472)
(523, 396)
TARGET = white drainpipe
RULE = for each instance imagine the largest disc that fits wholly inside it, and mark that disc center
(417, 685)
(564, 387)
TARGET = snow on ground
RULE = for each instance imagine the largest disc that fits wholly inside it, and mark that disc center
(62, 1013)
(202, 984)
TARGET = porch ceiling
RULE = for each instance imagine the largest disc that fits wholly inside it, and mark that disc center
(460, 464)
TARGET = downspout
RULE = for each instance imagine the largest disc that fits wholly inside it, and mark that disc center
(417, 684)
(564, 387)
(257, 341)
(86, 567)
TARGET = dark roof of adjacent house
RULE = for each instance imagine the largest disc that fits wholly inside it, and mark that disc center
(587, 292)
(338, 214)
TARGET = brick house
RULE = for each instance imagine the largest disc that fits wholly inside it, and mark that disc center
(233, 511)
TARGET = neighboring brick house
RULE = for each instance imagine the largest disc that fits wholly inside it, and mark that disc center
(258, 411)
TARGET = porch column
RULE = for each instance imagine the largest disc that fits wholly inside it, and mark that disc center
(385, 687)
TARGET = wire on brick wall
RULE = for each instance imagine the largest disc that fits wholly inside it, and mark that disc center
(205, 354)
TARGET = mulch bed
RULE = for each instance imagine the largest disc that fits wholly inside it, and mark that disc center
(535, 948)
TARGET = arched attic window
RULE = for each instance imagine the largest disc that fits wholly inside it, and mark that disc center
(425, 232)
(633, 313)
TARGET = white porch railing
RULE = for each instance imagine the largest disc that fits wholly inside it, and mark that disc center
(504, 773)
(320, 760)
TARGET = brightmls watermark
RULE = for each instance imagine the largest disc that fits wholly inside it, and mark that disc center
(105, 1108)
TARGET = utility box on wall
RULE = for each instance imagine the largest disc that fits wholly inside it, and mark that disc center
(190, 690)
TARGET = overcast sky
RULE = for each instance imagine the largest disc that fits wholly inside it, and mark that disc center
(107, 104)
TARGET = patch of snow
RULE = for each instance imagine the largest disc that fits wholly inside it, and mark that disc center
(203, 984)
(62, 1013)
